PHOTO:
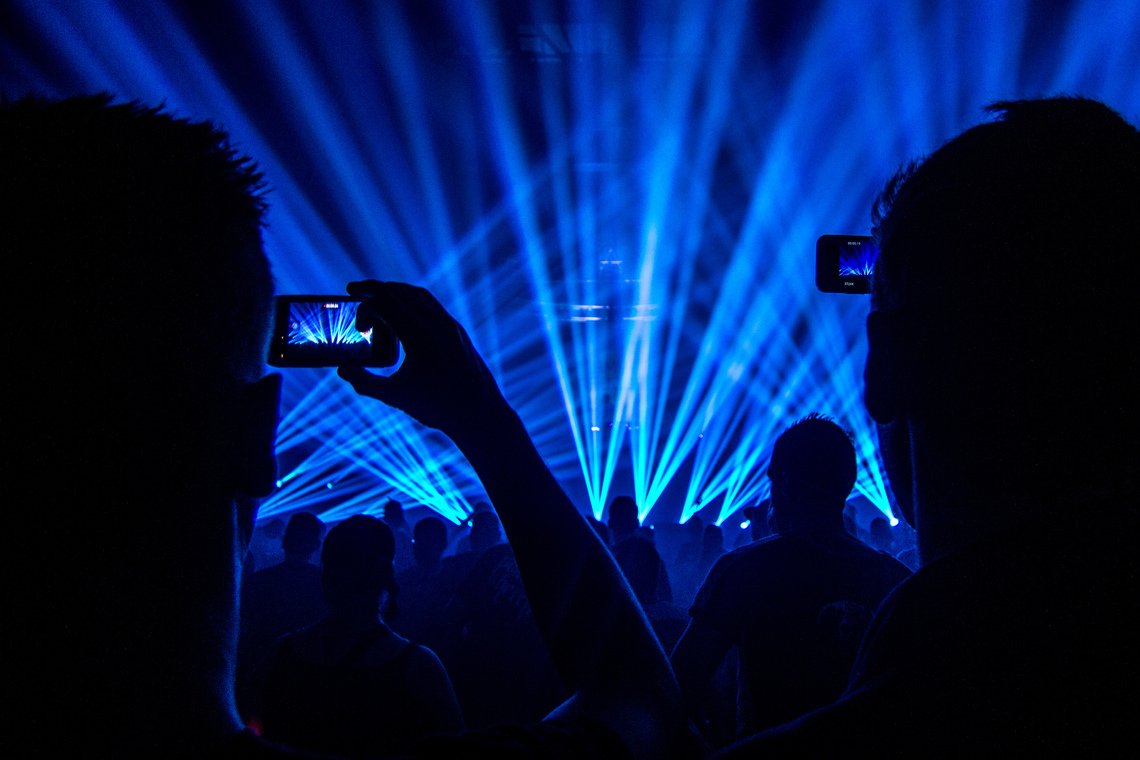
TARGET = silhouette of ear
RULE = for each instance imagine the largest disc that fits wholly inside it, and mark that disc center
(882, 375)
(260, 402)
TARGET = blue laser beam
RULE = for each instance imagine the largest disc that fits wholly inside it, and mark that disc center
(621, 214)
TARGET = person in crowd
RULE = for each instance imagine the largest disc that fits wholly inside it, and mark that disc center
(712, 546)
(881, 537)
(639, 561)
(137, 236)
(687, 573)
(265, 550)
(393, 516)
(429, 542)
(491, 645)
(623, 521)
(600, 528)
(757, 517)
(795, 604)
(424, 591)
(600, 642)
(1007, 413)
(280, 599)
(347, 685)
(485, 533)
(463, 544)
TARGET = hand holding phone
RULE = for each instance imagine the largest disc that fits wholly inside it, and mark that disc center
(443, 381)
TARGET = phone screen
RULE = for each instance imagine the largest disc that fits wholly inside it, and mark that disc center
(320, 331)
(844, 263)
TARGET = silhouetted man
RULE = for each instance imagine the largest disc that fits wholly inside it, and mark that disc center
(795, 604)
(393, 516)
(424, 589)
(139, 405)
(144, 422)
(624, 520)
(280, 599)
(485, 533)
(1003, 356)
(349, 684)
(641, 565)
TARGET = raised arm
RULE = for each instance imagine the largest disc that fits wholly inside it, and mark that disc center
(597, 634)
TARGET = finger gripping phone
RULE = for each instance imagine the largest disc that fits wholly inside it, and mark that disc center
(321, 331)
(843, 263)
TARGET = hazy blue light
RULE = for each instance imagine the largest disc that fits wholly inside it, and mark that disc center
(620, 209)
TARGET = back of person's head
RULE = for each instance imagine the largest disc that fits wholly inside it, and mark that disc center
(623, 520)
(1009, 259)
(881, 537)
(429, 540)
(758, 519)
(302, 536)
(814, 459)
(394, 514)
(356, 565)
(641, 564)
(275, 528)
(484, 531)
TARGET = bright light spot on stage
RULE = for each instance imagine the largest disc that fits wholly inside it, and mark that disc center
(622, 214)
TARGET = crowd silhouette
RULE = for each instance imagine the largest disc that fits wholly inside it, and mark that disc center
(1003, 350)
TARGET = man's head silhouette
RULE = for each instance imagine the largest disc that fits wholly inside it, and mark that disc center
(143, 297)
(1003, 334)
(485, 531)
(623, 521)
(302, 537)
(135, 254)
(812, 471)
(429, 542)
(356, 564)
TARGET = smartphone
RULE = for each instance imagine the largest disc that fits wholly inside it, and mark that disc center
(320, 331)
(843, 263)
